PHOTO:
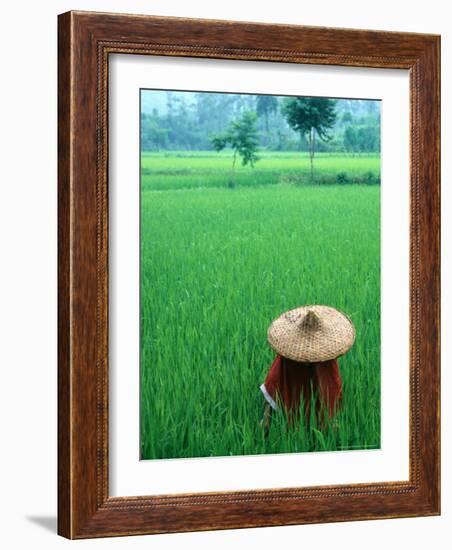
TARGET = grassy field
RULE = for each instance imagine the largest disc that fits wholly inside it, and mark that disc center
(184, 170)
(217, 266)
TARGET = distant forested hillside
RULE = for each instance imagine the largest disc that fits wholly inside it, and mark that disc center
(188, 120)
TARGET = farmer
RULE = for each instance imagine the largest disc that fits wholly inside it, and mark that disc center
(308, 340)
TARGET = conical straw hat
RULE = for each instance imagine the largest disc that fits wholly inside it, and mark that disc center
(311, 334)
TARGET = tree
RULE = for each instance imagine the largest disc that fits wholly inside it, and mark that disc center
(350, 139)
(347, 117)
(242, 137)
(265, 105)
(311, 116)
(153, 135)
(368, 138)
(364, 138)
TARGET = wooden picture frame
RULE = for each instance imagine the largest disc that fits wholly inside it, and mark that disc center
(85, 42)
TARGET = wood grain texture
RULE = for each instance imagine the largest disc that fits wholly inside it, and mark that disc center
(85, 42)
(64, 294)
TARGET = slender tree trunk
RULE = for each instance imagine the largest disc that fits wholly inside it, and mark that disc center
(267, 133)
(311, 153)
(232, 179)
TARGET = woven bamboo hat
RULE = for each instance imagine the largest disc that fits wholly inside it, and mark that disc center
(310, 334)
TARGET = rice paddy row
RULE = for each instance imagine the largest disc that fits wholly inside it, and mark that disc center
(194, 169)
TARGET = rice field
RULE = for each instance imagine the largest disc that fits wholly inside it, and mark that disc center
(218, 264)
(189, 169)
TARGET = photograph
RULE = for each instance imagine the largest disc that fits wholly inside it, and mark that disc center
(259, 274)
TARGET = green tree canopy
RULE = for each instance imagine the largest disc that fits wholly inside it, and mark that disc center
(311, 116)
(242, 137)
(265, 105)
(362, 138)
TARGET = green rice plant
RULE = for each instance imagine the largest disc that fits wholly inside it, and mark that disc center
(217, 266)
(210, 169)
(342, 177)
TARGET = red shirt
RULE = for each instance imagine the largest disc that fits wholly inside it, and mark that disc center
(287, 380)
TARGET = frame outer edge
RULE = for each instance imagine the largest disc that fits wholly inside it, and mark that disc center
(438, 145)
(430, 247)
(425, 273)
(64, 277)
